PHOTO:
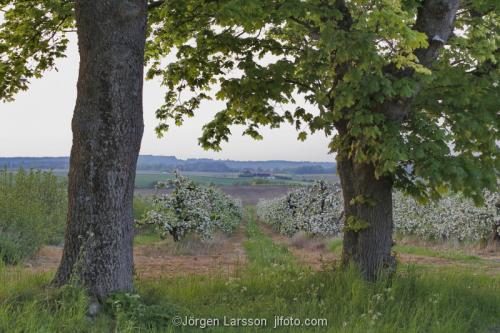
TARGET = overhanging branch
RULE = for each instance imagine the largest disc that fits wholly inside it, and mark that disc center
(436, 18)
(155, 4)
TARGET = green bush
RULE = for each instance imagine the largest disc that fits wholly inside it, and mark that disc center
(141, 206)
(32, 212)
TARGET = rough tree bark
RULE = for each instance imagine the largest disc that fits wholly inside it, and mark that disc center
(368, 199)
(107, 131)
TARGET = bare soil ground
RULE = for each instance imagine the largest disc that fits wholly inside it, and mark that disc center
(222, 256)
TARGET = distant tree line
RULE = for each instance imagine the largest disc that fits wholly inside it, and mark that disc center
(171, 163)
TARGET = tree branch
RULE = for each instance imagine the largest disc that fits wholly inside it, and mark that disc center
(155, 4)
(436, 19)
(313, 31)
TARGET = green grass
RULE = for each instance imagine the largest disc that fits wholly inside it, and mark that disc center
(146, 239)
(27, 304)
(335, 245)
(414, 302)
(261, 251)
(271, 283)
(424, 251)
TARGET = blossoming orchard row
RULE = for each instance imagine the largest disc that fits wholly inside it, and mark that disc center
(317, 209)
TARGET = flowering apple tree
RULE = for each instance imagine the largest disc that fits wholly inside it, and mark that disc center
(453, 217)
(317, 209)
(193, 208)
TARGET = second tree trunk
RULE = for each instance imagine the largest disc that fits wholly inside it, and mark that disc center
(368, 219)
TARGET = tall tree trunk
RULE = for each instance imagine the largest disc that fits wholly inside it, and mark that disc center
(368, 219)
(368, 199)
(107, 131)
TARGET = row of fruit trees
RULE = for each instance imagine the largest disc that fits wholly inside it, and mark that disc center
(318, 210)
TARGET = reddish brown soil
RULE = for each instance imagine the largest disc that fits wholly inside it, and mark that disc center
(225, 254)
(225, 258)
(158, 260)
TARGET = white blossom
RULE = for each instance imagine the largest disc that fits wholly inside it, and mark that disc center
(317, 209)
(193, 208)
(453, 217)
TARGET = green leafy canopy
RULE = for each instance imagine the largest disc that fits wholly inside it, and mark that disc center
(346, 60)
(32, 37)
(327, 66)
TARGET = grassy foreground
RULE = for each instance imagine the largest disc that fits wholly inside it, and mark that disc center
(271, 284)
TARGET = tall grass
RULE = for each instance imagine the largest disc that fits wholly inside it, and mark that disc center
(28, 304)
(272, 283)
(415, 300)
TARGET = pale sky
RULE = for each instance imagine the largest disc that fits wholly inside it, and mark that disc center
(38, 123)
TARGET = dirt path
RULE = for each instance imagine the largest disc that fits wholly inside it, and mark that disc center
(221, 256)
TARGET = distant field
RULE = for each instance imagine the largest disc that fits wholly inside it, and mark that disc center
(322, 176)
(148, 179)
(248, 194)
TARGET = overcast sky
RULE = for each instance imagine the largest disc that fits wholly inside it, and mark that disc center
(38, 123)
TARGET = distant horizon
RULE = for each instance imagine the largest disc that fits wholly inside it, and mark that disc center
(38, 124)
(189, 158)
